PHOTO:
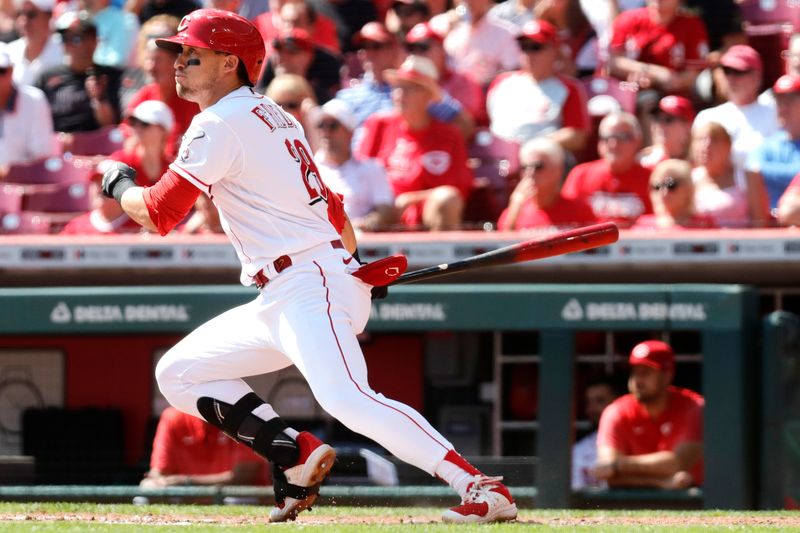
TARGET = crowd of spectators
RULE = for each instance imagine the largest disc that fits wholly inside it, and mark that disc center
(402, 100)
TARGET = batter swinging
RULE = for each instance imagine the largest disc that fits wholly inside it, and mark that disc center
(295, 244)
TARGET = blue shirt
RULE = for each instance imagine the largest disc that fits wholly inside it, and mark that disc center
(778, 160)
(116, 36)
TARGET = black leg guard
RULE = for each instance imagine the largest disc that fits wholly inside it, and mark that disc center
(266, 438)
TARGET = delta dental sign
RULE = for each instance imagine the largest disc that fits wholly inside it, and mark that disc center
(574, 311)
(62, 313)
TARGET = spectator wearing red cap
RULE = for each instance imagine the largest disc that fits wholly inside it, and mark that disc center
(670, 129)
(658, 46)
(537, 201)
(672, 196)
(652, 437)
(536, 100)
(777, 160)
(380, 53)
(276, 22)
(294, 52)
(422, 40)
(616, 185)
(748, 120)
(481, 45)
(426, 159)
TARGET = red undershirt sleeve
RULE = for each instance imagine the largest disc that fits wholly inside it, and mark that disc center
(169, 201)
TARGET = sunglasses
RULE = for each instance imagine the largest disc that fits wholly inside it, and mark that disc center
(138, 123)
(409, 11)
(728, 71)
(28, 13)
(619, 137)
(669, 184)
(536, 166)
(328, 125)
(418, 48)
(664, 118)
(531, 46)
(75, 39)
(290, 106)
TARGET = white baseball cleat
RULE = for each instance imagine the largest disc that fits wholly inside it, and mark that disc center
(487, 500)
(297, 488)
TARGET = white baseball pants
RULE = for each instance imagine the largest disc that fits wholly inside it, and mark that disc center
(308, 316)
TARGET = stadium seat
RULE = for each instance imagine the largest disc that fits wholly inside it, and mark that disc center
(67, 198)
(770, 40)
(604, 94)
(24, 224)
(494, 161)
(49, 171)
(10, 199)
(104, 141)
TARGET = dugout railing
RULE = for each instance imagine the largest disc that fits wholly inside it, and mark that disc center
(725, 316)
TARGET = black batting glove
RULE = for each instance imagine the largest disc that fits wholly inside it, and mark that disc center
(117, 179)
(379, 293)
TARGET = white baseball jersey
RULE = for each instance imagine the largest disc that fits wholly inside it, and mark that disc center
(269, 204)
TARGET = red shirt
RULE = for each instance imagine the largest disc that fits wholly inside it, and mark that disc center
(564, 213)
(88, 224)
(416, 160)
(681, 44)
(187, 445)
(627, 427)
(133, 160)
(616, 197)
(182, 110)
(323, 34)
(467, 91)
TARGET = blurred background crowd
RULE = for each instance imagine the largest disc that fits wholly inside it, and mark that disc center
(429, 115)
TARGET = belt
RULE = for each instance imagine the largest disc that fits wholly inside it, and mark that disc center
(285, 261)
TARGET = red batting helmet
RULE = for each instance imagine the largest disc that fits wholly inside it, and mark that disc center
(221, 31)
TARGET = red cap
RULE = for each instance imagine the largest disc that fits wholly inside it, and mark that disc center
(655, 354)
(741, 57)
(539, 31)
(296, 37)
(677, 106)
(422, 32)
(375, 32)
(786, 84)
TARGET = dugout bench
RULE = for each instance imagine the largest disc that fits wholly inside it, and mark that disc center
(725, 316)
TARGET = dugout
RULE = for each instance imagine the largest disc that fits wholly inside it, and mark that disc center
(723, 319)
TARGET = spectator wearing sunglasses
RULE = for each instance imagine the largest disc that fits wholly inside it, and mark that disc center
(423, 40)
(672, 194)
(748, 119)
(38, 48)
(148, 152)
(670, 129)
(368, 197)
(295, 95)
(425, 159)
(616, 185)
(777, 160)
(537, 201)
(536, 100)
(83, 96)
(723, 190)
(294, 52)
(26, 127)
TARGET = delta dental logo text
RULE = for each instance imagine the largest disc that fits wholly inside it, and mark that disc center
(434, 312)
(573, 311)
(106, 314)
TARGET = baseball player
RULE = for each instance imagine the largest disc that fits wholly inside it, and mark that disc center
(295, 244)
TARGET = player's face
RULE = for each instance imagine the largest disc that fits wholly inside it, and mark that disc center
(197, 72)
(647, 384)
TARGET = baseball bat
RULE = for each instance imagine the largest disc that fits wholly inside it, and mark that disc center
(576, 240)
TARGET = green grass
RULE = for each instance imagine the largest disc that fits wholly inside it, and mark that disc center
(81, 517)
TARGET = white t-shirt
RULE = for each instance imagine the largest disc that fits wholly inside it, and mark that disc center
(28, 72)
(26, 132)
(483, 50)
(252, 159)
(584, 457)
(362, 183)
(747, 125)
